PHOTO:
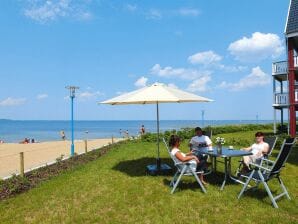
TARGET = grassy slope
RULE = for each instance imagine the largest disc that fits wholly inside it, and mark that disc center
(115, 189)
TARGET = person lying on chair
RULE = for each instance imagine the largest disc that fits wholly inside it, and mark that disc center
(179, 156)
(258, 149)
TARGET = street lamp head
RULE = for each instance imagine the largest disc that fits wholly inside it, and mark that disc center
(72, 90)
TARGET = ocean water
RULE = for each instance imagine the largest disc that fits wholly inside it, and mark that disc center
(16, 131)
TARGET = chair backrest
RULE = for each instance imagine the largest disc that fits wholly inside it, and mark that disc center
(283, 155)
(271, 142)
(208, 133)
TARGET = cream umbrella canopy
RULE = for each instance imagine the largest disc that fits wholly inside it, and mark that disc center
(156, 94)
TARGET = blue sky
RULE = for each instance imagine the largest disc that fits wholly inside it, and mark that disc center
(218, 49)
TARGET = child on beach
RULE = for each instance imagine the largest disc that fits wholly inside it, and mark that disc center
(179, 156)
(62, 134)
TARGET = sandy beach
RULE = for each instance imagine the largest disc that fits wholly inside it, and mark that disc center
(40, 153)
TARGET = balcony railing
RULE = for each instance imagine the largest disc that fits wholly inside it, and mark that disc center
(283, 98)
(281, 67)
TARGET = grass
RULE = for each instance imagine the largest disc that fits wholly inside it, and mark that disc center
(115, 189)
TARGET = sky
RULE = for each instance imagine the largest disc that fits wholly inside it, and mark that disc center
(218, 49)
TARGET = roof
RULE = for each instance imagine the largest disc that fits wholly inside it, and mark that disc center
(292, 21)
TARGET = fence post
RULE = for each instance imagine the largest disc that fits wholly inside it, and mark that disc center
(22, 164)
(86, 146)
(112, 139)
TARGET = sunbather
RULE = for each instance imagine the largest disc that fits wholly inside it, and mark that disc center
(182, 157)
(258, 149)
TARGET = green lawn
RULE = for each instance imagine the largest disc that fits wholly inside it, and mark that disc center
(115, 189)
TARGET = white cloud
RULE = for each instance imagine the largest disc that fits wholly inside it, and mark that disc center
(49, 10)
(87, 95)
(130, 7)
(204, 58)
(42, 96)
(154, 14)
(257, 47)
(189, 12)
(200, 84)
(182, 73)
(141, 82)
(256, 78)
(12, 102)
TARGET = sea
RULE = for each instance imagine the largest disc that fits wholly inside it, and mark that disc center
(13, 131)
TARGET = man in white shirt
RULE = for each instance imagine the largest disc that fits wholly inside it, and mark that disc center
(199, 140)
(196, 143)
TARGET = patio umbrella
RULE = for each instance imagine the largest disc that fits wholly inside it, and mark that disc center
(156, 94)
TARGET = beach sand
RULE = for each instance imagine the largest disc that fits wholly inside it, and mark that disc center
(38, 154)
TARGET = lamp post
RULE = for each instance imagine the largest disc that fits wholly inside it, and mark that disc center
(72, 91)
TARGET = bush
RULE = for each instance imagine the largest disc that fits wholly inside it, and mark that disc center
(187, 133)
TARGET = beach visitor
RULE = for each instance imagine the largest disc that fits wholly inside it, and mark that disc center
(179, 156)
(1, 141)
(25, 141)
(258, 149)
(62, 134)
(126, 134)
(142, 130)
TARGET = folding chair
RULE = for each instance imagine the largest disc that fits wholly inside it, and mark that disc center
(271, 142)
(261, 174)
(183, 169)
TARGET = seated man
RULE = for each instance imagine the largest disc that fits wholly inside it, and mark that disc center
(258, 149)
(197, 142)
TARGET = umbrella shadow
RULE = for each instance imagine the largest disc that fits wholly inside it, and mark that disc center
(137, 167)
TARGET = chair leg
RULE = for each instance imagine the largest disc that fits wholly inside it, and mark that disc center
(268, 190)
(199, 181)
(238, 170)
(284, 188)
(178, 180)
(246, 184)
(174, 179)
(270, 195)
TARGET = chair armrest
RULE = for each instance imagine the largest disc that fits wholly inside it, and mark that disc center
(183, 163)
(268, 161)
(259, 166)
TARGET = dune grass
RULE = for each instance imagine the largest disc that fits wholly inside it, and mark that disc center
(116, 189)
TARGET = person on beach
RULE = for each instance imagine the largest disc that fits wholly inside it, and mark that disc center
(25, 141)
(1, 141)
(126, 134)
(62, 134)
(258, 149)
(179, 156)
(142, 130)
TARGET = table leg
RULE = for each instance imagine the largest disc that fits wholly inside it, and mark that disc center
(214, 162)
(226, 174)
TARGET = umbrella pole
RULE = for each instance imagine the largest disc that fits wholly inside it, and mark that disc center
(158, 153)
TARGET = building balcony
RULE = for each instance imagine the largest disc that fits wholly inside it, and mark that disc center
(281, 67)
(282, 99)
